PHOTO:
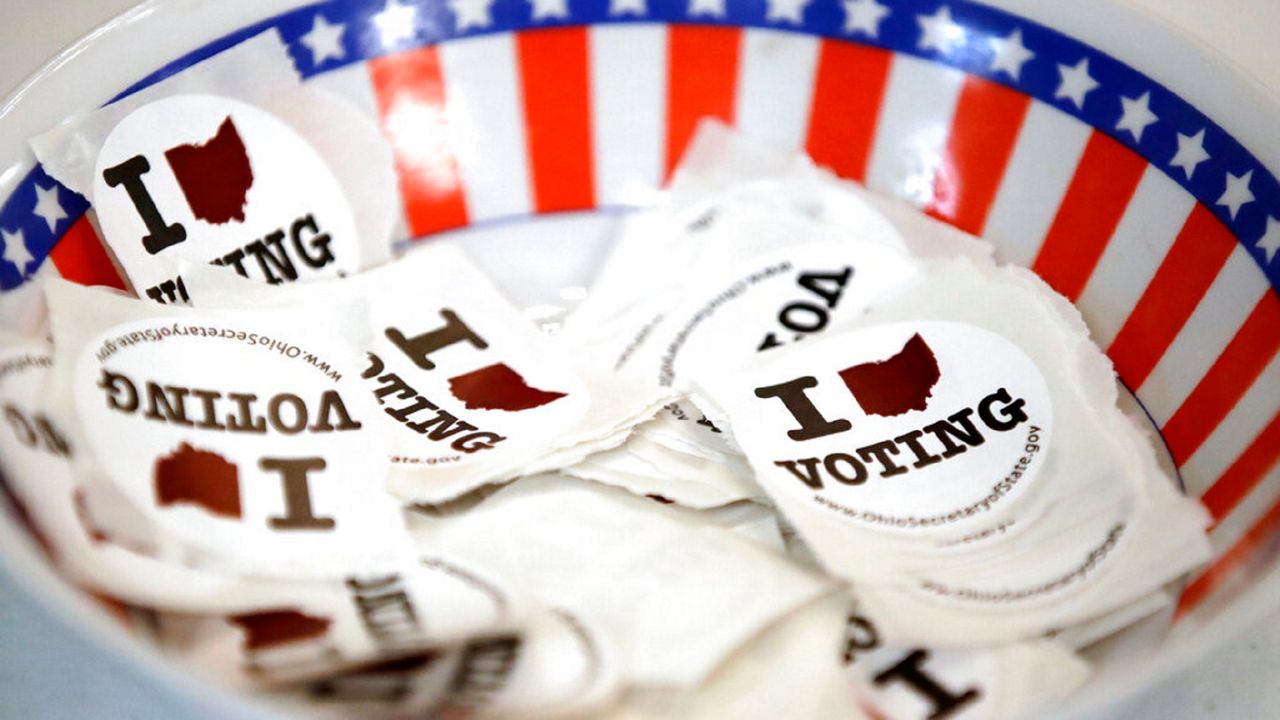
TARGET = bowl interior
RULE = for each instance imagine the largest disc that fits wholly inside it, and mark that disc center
(1145, 196)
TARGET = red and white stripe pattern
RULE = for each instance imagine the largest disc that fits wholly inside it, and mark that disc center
(1046, 151)
(81, 257)
(575, 118)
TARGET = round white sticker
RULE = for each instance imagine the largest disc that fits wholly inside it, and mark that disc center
(906, 426)
(240, 443)
(204, 178)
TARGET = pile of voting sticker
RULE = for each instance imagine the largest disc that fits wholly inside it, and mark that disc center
(801, 452)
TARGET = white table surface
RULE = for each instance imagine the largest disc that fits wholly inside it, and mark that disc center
(47, 671)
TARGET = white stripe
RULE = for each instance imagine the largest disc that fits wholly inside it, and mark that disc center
(1247, 513)
(1223, 309)
(1226, 535)
(1236, 431)
(915, 118)
(486, 124)
(629, 110)
(1151, 222)
(1040, 170)
(353, 83)
(775, 86)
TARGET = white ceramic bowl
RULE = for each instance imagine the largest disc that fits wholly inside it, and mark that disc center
(1129, 166)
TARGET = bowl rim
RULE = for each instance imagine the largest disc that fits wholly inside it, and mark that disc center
(1243, 106)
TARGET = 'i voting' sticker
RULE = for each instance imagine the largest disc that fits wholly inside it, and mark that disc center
(902, 427)
(203, 178)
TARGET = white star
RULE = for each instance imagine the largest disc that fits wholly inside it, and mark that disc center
(48, 207)
(1076, 82)
(395, 22)
(786, 11)
(16, 252)
(863, 16)
(1136, 115)
(939, 32)
(1269, 243)
(1190, 153)
(324, 40)
(624, 7)
(1010, 55)
(543, 9)
(706, 7)
(1237, 193)
(471, 13)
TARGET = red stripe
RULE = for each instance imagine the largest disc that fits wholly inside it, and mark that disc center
(411, 97)
(80, 257)
(702, 79)
(1230, 562)
(987, 119)
(557, 102)
(1227, 380)
(1245, 473)
(1184, 276)
(1104, 182)
(847, 93)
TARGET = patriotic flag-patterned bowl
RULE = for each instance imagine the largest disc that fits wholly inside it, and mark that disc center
(1130, 167)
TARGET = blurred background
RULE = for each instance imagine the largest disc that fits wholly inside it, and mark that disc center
(48, 671)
